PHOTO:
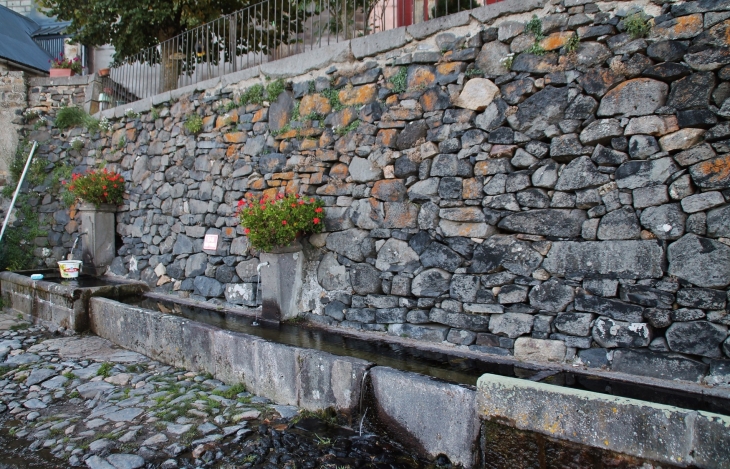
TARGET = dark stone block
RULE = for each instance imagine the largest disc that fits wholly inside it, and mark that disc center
(440, 256)
(505, 251)
(698, 118)
(696, 338)
(646, 296)
(272, 163)
(366, 315)
(450, 188)
(502, 135)
(594, 357)
(412, 132)
(691, 92)
(705, 298)
(606, 307)
(667, 71)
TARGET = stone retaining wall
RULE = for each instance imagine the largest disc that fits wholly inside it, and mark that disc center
(567, 205)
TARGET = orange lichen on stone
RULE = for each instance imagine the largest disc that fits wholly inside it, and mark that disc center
(339, 171)
(326, 155)
(391, 100)
(271, 192)
(310, 132)
(208, 120)
(258, 184)
(556, 40)
(308, 144)
(288, 176)
(288, 134)
(227, 119)
(421, 77)
(387, 137)
(259, 116)
(448, 68)
(689, 23)
(228, 232)
(131, 135)
(716, 169)
(234, 137)
(314, 103)
(472, 188)
(231, 151)
(359, 95)
(316, 178)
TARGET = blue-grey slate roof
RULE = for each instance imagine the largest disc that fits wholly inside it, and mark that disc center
(16, 42)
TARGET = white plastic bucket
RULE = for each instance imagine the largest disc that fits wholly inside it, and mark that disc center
(70, 269)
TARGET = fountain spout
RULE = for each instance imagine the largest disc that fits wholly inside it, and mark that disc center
(70, 255)
(258, 267)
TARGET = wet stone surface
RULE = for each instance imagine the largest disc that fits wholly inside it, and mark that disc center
(83, 402)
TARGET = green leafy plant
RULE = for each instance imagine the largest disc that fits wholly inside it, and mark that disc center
(274, 89)
(535, 49)
(194, 124)
(347, 128)
(637, 25)
(474, 72)
(333, 96)
(69, 116)
(155, 113)
(104, 370)
(231, 392)
(571, 45)
(98, 187)
(399, 81)
(277, 221)
(253, 95)
(129, 112)
(534, 27)
(122, 141)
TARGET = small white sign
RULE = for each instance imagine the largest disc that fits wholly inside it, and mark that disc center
(210, 242)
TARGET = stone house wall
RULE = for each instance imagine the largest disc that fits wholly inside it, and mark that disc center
(13, 101)
(570, 205)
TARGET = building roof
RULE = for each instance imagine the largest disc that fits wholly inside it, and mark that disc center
(16, 41)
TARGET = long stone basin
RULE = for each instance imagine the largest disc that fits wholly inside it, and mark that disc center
(60, 303)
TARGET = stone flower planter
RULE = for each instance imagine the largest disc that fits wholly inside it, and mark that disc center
(281, 282)
(98, 232)
(60, 72)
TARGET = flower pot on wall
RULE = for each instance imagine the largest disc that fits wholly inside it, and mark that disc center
(281, 282)
(104, 72)
(61, 72)
(98, 231)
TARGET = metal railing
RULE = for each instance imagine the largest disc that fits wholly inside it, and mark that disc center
(266, 31)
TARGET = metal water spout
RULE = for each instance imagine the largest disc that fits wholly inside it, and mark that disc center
(258, 267)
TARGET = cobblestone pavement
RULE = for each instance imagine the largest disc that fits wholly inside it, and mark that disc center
(82, 401)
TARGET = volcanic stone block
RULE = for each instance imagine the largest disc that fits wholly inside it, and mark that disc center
(646, 296)
(609, 333)
(548, 222)
(712, 173)
(613, 259)
(427, 332)
(614, 309)
(701, 298)
(580, 173)
(665, 221)
(539, 350)
(552, 295)
(637, 97)
(472, 322)
(696, 338)
(505, 251)
(542, 109)
(511, 325)
(619, 224)
(658, 365)
(578, 324)
(464, 287)
(693, 91)
(634, 174)
(365, 279)
(431, 283)
(690, 255)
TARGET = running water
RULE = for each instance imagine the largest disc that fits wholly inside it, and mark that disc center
(70, 256)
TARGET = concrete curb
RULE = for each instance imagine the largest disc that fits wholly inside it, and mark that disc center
(434, 416)
(638, 428)
(288, 375)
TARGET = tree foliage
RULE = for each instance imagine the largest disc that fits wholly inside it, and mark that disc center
(134, 25)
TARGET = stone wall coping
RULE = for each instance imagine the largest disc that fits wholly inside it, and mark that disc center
(300, 64)
(75, 80)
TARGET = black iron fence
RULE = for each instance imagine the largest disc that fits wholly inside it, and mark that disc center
(266, 31)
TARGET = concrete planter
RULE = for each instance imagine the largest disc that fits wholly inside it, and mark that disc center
(281, 282)
(98, 230)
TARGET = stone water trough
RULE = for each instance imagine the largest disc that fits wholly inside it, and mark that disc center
(57, 302)
(512, 415)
